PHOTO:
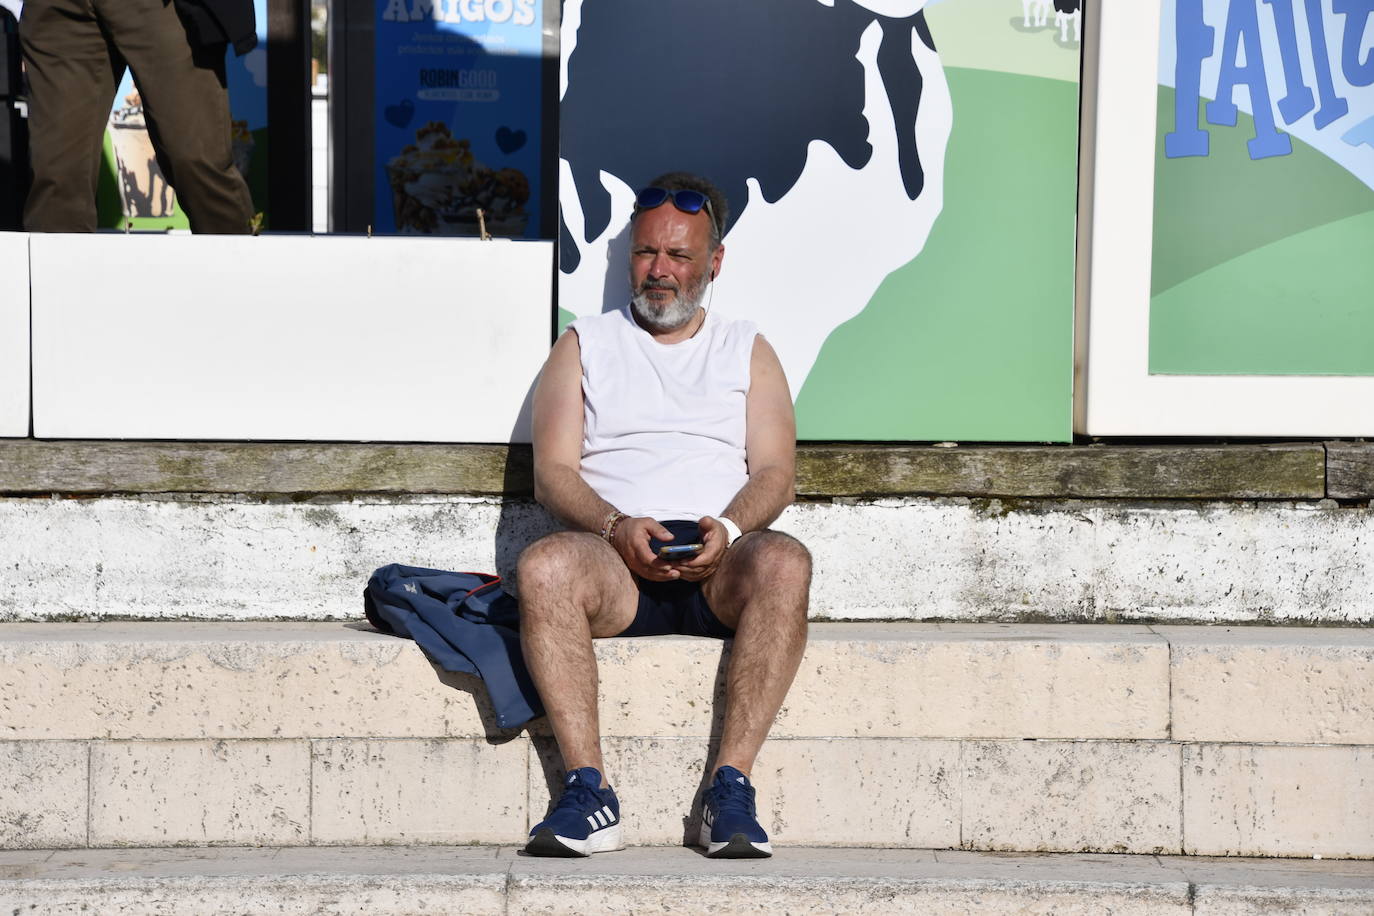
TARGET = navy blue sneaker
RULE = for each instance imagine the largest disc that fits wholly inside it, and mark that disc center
(585, 820)
(729, 822)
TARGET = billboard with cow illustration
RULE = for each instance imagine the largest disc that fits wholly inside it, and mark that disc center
(902, 185)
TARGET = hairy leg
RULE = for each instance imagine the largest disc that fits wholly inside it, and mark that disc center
(761, 590)
(573, 588)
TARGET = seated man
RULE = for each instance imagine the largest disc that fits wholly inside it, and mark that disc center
(663, 422)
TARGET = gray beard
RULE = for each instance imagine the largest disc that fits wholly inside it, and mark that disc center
(669, 317)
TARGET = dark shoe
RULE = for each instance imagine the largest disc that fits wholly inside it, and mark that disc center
(729, 822)
(585, 820)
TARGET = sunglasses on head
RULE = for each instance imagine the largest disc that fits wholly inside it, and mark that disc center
(685, 200)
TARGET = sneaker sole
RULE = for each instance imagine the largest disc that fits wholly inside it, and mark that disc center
(549, 844)
(738, 847)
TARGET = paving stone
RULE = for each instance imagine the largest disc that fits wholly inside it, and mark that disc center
(1279, 801)
(576, 896)
(939, 680)
(366, 792)
(872, 792)
(1071, 796)
(465, 879)
(180, 680)
(43, 794)
(168, 793)
(980, 680)
(1284, 901)
(1272, 684)
(291, 895)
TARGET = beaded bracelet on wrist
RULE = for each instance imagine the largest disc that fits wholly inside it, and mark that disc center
(608, 527)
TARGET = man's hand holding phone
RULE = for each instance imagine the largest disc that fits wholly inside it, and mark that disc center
(679, 552)
(704, 563)
(634, 539)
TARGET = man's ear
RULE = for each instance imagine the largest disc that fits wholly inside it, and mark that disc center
(716, 257)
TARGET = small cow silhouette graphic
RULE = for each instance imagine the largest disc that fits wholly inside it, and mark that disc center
(1035, 14)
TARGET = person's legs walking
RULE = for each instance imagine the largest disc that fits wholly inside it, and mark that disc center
(187, 108)
(73, 75)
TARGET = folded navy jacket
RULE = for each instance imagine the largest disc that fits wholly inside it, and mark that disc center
(463, 622)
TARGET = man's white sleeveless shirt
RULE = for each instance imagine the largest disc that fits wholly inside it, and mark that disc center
(664, 430)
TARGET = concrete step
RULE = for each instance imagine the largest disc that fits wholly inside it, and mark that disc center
(391, 881)
(239, 558)
(1212, 741)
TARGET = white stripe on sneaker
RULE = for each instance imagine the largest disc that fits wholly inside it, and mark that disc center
(591, 822)
(601, 819)
(610, 818)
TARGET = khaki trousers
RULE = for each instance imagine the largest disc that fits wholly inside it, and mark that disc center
(75, 53)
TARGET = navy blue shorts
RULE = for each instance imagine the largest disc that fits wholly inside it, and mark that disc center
(675, 607)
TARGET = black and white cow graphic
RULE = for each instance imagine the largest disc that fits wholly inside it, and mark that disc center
(1066, 11)
(824, 121)
(1035, 14)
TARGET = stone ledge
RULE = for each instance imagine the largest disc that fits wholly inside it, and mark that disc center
(387, 881)
(178, 680)
(1009, 794)
(1146, 739)
(1231, 471)
(170, 681)
(944, 559)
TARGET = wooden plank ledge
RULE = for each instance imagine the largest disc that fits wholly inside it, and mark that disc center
(1230, 471)
(1350, 470)
(1226, 471)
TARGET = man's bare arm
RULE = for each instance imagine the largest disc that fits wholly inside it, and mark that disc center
(557, 428)
(558, 485)
(770, 444)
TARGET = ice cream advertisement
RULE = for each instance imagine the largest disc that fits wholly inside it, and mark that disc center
(458, 117)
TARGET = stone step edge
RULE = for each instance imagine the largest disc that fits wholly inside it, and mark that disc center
(1285, 470)
(499, 880)
(1171, 684)
(1130, 797)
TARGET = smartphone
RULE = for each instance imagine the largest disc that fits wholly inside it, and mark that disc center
(679, 551)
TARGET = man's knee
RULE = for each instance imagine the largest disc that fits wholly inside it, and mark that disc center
(773, 565)
(551, 560)
(775, 555)
(555, 565)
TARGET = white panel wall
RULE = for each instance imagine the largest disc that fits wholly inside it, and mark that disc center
(1123, 399)
(220, 337)
(14, 334)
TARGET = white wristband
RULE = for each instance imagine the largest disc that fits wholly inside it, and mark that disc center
(732, 531)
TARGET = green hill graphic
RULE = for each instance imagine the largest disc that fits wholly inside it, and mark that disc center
(1303, 305)
(972, 340)
(1209, 209)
